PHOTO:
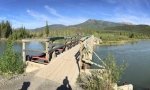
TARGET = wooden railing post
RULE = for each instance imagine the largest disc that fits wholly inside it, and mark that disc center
(47, 50)
(81, 54)
(23, 51)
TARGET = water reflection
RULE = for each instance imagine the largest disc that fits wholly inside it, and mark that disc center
(30, 46)
(137, 56)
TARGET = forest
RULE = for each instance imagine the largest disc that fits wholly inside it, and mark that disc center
(115, 33)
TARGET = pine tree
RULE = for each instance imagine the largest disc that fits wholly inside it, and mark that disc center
(47, 29)
(8, 29)
(5, 29)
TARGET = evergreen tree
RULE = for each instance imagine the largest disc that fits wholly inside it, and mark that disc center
(5, 29)
(47, 29)
(8, 31)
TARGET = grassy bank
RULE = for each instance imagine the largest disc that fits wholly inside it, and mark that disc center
(117, 38)
(121, 42)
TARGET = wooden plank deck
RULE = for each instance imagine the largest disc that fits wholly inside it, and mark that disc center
(64, 65)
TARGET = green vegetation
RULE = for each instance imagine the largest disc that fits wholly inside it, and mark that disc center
(20, 34)
(103, 79)
(5, 29)
(109, 32)
(47, 29)
(10, 61)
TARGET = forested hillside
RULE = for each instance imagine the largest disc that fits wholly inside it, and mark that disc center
(108, 31)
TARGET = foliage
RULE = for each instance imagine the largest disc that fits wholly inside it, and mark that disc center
(5, 29)
(107, 31)
(102, 79)
(115, 70)
(20, 34)
(10, 61)
(47, 29)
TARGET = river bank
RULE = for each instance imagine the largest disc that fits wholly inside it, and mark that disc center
(121, 42)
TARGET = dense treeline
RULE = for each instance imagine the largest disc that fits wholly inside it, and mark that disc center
(5, 29)
(144, 29)
(20, 34)
(105, 35)
(117, 33)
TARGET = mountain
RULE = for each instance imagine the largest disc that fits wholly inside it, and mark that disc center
(92, 24)
(89, 24)
(51, 27)
(97, 24)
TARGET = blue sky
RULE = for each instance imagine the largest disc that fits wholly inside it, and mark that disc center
(34, 13)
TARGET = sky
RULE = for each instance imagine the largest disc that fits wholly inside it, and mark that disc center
(35, 13)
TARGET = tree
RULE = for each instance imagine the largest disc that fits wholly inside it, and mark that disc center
(8, 31)
(131, 36)
(20, 33)
(47, 29)
(5, 29)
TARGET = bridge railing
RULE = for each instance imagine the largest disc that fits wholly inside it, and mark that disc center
(52, 52)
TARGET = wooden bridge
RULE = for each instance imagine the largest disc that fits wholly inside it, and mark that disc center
(67, 64)
(61, 72)
(49, 50)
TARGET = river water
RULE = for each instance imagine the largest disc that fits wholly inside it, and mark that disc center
(29, 46)
(136, 54)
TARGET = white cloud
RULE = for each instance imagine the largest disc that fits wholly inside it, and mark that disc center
(135, 19)
(57, 18)
(53, 11)
(38, 16)
(2, 18)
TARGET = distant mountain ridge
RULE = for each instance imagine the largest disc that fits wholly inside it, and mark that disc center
(93, 24)
(90, 24)
(53, 27)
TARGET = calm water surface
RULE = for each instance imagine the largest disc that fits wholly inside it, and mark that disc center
(18, 47)
(137, 56)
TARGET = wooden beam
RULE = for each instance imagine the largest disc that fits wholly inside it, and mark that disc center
(30, 40)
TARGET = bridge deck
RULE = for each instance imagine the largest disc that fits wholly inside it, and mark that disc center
(64, 65)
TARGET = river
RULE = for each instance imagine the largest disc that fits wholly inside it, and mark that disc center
(136, 54)
(30, 46)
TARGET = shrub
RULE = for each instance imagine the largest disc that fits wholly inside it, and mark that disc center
(10, 61)
(102, 79)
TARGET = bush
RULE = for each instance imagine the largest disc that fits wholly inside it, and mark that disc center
(102, 79)
(10, 61)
